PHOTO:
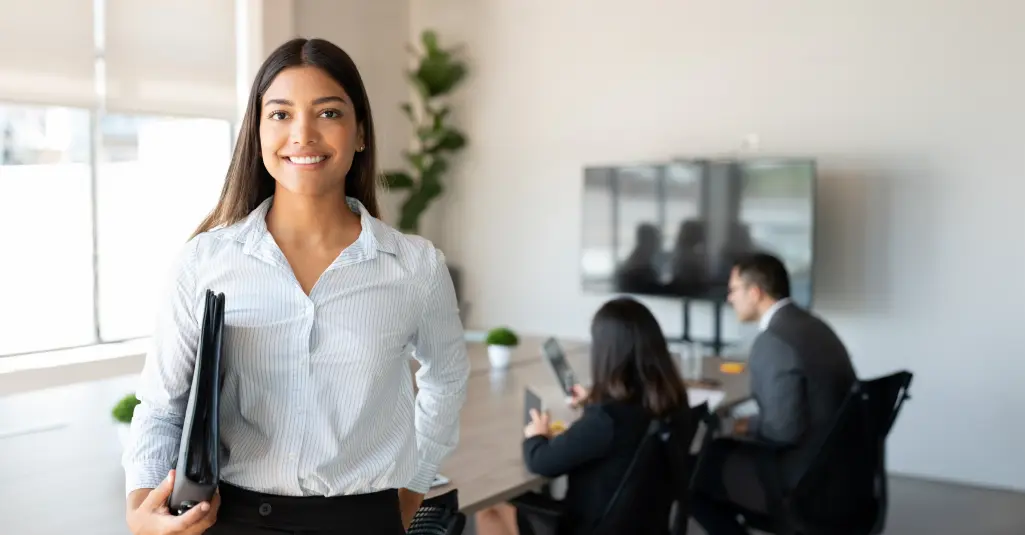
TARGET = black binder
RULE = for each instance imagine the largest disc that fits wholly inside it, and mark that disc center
(198, 470)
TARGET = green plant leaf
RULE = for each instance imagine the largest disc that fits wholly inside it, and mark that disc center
(430, 40)
(438, 117)
(450, 140)
(416, 159)
(412, 209)
(439, 75)
(398, 180)
(426, 134)
(124, 410)
(501, 336)
(434, 171)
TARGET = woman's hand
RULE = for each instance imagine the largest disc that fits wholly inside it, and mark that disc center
(151, 517)
(579, 396)
(409, 503)
(540, 425)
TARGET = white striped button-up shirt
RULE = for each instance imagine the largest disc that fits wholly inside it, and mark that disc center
(318, 397)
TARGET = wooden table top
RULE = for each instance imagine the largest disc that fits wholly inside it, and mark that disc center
(487, 465)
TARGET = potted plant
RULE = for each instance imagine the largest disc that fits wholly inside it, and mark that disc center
(437, 73)
(122, 413)
(500, 341)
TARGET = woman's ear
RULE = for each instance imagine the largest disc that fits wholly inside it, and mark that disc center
(361, 143)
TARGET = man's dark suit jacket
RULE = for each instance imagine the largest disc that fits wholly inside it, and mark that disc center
(800, 375)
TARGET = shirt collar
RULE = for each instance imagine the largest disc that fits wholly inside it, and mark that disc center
(375, 235)
(767, 317)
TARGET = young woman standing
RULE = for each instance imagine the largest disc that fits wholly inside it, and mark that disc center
(318, 421)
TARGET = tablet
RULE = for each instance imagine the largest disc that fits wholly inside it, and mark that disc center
(530, 401)
(560, 366)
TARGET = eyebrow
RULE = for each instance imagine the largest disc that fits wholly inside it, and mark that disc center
(317, 102)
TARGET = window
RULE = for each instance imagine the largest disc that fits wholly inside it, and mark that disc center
(114, 142)
(46, 249)
(156, 179)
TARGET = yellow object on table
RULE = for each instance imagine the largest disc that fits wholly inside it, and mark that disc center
(731, 367)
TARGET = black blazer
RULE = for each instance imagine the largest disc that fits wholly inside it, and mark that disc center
(594, 454)
(800, 375)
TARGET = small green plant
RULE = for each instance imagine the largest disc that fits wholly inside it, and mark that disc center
(502, 336)
(437, 73)
(125, 409)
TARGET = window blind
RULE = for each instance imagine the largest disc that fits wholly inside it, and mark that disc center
(47, 52)
(171, 57)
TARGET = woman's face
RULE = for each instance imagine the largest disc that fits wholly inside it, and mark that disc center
(308, 131)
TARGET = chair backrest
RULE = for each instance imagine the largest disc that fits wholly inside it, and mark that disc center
(844, 488)
(642, 488)
(438, 515)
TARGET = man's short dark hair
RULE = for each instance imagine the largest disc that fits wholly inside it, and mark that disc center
(767, 273)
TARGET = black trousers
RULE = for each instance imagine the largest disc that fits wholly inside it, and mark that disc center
(245, 512)
(727, 484)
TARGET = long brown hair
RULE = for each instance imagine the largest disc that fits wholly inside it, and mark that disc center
(630, 359)
(248, 182)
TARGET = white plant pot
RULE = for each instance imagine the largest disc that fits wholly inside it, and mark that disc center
(499, 356)
(124, 431)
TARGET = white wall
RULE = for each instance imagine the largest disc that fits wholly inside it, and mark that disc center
(914, 108)
(375, 35)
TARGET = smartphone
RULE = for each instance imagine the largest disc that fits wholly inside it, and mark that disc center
(530, 401)
(560, 366)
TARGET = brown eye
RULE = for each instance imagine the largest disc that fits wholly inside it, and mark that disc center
(277, 115)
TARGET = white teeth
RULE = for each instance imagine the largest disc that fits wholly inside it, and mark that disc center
(305, 160)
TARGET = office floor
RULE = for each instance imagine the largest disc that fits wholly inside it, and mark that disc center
(60, 473)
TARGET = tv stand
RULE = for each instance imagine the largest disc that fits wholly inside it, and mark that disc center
(716, 342)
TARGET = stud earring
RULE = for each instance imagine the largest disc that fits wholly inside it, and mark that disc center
(361, 148)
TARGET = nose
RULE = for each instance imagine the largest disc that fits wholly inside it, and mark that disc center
(303, 131)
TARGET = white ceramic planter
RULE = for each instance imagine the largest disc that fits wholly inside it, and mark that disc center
(499, 356)
(123, 433)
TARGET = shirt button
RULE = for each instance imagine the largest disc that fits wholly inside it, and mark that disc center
(265, 509)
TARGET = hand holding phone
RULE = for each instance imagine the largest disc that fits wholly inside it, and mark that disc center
(540, 425)
(578, 397)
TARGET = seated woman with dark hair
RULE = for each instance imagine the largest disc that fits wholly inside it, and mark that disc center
(634, 381)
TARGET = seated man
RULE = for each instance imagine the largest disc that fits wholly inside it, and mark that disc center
(800, 375)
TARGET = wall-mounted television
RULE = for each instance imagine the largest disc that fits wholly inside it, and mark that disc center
(675, 228)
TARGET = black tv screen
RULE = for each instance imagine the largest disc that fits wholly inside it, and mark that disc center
(675, 228)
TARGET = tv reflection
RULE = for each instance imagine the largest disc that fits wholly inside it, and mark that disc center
(694, 267)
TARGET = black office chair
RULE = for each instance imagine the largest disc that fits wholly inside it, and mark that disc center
(439, 516)
(637, 495)
(843, 490)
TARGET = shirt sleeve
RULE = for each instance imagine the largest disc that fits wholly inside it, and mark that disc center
(444, 370)
(778, 385)
(588, 439)
(163, 392)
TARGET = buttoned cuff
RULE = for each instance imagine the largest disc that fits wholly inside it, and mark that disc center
(421, 483)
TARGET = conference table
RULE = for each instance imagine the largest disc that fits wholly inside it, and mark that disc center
(487, 466)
